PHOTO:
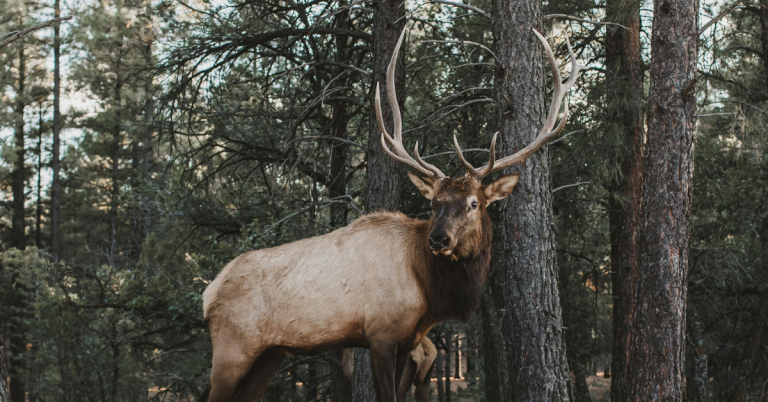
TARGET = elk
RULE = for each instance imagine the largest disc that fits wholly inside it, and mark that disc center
(336, 290)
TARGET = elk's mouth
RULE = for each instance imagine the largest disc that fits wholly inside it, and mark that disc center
(447, 253)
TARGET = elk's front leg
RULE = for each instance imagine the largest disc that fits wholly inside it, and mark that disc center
(383, 366)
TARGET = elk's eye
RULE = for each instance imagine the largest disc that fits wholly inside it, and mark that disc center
(474, 204)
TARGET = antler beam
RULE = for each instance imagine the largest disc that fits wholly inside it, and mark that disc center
(398, 151)
(547, 133)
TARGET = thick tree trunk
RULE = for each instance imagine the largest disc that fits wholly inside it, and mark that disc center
(653, 368)
(538, 368)
(382, 173)
(55, 151)
(5, 395)
(339, 120)
(624, 96)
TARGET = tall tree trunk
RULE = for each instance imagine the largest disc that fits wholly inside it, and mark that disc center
(55, 166)
(457, 354)
(653, 368)
(148, 159)
(538, 368)
(382, 175)
(5, 395)
(18, 175)
(339, 119)
(39, 201)
(624, 97)
(764, 33)
(115, 170)
(18, 180)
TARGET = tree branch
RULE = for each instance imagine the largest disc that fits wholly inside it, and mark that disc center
(484, 13)
(19, 34)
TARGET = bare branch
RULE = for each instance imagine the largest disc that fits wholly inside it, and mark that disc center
(467, 42)
(573, 18)
(719, 16)
(462, 5)
(19, 34)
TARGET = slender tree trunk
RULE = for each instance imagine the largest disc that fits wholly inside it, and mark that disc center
(581, 388)
(653, 369)
(339, 119)
(39, 201)
(764, 33)
(115, 171)
(55, 165)
(5, 395)
(457, 354)
(491, 348)
(624, 97)
(382, 174)
(440, 375)
(18, 181)
(148, 159)
(18, 175)
(538, 368)
(700, 380)
(447, 362)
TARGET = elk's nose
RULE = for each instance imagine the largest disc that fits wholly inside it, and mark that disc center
(439, 241)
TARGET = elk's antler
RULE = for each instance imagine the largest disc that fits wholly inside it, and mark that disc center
(546, 133)
(398, 151)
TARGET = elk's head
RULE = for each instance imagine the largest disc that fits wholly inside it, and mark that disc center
(459, 205)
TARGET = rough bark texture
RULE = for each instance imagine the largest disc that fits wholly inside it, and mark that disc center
(624, 95)
(338, 173)
(382, 174)
(55, 148)
(764, 32)
(532, 324)
(383, 178)
(5, 396)
(653, 367)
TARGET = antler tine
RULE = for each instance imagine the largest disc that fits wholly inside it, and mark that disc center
(398, 151)
(557, 97)
(467, 165)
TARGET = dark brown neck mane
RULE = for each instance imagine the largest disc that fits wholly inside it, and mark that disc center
(454, 289)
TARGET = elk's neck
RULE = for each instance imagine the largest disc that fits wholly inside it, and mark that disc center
(454, 287)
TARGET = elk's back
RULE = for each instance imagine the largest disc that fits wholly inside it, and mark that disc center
(341, 288)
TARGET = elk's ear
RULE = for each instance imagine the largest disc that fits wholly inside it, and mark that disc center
(423, 184)
(501, 188)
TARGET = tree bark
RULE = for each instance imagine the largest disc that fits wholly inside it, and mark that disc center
(624, 97)
(382, 175)
(55, 148)
(447, 362)
(39, 200)
(532, 324)
(653, 368)
(339, 120)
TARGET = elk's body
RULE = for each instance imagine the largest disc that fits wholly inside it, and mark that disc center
(379, 283)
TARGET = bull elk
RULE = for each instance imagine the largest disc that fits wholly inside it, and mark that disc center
(336, 290)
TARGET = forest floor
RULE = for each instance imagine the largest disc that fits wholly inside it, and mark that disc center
(599, 388)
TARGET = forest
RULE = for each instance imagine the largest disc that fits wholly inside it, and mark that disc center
(148, 143)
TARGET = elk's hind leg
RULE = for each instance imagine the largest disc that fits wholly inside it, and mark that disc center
(253, 386)
(229, 368)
